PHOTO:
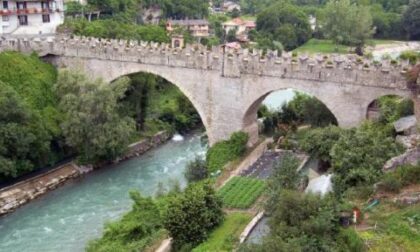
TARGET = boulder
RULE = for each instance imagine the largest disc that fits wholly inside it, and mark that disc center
(406, 125)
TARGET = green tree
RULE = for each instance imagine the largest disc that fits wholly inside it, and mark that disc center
(24, 140)
(348, 23)
(285, 177)
(359, 155)
(411, 20)
(319, 142)
(196, 170)
(191, 215)
(181, 9)
(285, 23)
(301, 222)
(91, 123)
(311, 111)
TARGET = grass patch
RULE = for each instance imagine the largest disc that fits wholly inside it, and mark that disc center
(397, 229)
(322, 46)
(226, 236)
(241, 192)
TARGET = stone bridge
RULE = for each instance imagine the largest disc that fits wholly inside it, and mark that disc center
(227, 87)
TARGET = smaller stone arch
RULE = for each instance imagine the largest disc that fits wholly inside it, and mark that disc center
(373, 108)
(249, 120)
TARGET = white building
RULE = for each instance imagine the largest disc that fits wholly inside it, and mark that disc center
(30, 17)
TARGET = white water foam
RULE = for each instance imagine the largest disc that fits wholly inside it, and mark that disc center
(177, 138)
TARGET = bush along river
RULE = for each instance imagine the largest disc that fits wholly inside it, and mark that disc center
(67, 218)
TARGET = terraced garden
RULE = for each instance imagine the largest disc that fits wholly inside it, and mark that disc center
(241, 192)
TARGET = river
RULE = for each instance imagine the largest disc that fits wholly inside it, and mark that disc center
(67, 218)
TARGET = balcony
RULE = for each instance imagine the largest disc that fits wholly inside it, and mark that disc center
(4, 12)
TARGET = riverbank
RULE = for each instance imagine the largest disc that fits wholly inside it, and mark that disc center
(19, 194)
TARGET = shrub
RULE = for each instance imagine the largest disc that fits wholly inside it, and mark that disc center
(358, 156)
(135, 231)
(390, 183)
(222, 152)
(191, 215)
(319, 142)
(196, 170)
(411, 56)
(348, 240)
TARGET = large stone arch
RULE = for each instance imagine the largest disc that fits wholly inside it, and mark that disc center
(112, 70)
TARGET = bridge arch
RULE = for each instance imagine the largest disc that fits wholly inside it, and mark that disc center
(110, 71)
(250, 115)
(183, 89)
(406, 106)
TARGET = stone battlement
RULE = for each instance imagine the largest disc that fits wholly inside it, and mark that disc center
(346, 69)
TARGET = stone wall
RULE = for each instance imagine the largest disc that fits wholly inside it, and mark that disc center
(21, 193)
(139, 148)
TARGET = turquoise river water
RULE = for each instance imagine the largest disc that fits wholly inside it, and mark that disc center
(67, 218)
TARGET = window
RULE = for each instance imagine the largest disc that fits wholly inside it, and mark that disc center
(21, 5)
(5, 18)
(46, 18)
(45, 5)
(23, 20)
(5, 5)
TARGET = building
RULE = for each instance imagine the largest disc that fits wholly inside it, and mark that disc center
(198, 28)
(30, 17)
(242, 27)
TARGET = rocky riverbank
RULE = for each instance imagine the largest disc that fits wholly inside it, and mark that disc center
(14, 196)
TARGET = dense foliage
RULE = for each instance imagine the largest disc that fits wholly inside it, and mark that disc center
(411, 20)
(191, 215)
(358, 156)
(319, 142)
(196, 170)
(284, 23)
(404, 175)
(347, 23)
(156, 104)
(29, 120)
(24, 139)
(222, 152)
(116, 30)
(91, 123)
(392, 108)
(303, 109)
(241, 192)
(134, 231)
(300, 222)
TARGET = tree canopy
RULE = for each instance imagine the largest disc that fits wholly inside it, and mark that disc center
(91, 123)
(285, 23)
(348, 23)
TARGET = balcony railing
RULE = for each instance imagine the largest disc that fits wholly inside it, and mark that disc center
(6, 12)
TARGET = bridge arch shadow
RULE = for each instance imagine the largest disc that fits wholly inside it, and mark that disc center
(275, 99)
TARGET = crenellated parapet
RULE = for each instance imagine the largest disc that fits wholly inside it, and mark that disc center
(348, 69)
